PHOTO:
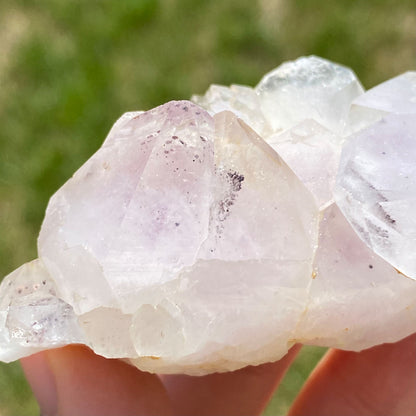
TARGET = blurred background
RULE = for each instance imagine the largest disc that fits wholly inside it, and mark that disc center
(69, 69)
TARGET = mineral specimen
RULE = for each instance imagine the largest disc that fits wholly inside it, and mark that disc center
(203, 238)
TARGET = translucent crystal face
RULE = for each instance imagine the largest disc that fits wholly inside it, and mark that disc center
(376, 188)
(195, 241)
(395, 96)
(308, 88)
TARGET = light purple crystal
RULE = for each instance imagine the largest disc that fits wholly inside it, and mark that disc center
(200, 240)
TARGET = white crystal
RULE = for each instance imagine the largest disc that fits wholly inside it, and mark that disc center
(32, 316)
(190, 243)
(243, 101)
(376, 189)
(307, 88)
(307, 147)
(395, 96)
(357, 299)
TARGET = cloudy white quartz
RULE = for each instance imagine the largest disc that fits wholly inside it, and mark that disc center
(208, 237)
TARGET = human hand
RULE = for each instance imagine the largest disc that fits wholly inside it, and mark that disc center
(75, 381)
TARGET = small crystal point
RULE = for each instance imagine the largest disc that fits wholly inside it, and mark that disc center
(310, 87)
(32, 315)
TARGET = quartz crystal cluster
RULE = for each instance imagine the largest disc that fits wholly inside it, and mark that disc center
(209, 235)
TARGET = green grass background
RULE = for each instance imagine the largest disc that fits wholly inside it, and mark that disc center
(68, 69)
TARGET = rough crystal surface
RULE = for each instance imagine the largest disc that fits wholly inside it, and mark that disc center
(199, 240)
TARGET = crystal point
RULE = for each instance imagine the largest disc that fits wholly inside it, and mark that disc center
(376, 188)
